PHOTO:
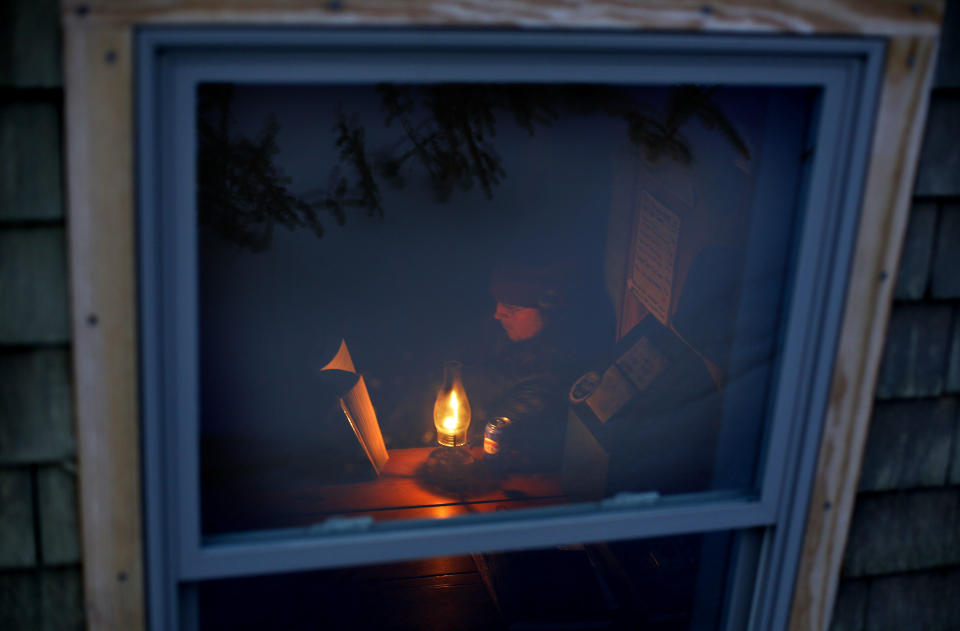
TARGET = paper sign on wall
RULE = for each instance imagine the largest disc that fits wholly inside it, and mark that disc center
(653, 252)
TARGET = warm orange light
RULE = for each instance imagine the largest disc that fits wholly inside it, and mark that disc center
(451, 412)
(452, 422)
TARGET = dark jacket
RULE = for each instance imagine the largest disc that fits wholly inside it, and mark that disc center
(527, 382)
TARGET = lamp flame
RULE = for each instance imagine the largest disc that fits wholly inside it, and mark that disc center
(451, 412)
(452, 422)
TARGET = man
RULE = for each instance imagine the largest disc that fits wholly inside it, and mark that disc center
(520, 323)
(547, 340)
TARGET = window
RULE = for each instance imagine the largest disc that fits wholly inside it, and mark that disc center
(659, 225)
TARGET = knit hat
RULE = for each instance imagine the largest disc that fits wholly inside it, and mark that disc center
(525, 286)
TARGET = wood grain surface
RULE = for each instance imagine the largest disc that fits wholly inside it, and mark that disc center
(878, 17)
(403, 490)
(896, 146)
(97, 61)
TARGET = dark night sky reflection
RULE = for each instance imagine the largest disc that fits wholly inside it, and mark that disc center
(406, 292)
(412, 290)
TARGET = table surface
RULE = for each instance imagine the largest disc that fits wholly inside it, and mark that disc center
(405, 489)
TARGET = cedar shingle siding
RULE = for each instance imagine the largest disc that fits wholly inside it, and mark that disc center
(902, 564)
(40, 582)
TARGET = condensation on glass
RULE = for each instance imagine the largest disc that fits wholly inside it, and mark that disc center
(607, 263)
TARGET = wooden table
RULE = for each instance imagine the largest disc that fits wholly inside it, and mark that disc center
(403, 490)
(553, 588)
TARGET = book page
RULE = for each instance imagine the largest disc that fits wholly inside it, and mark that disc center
(342, 360)
(357, 406)
(359, 411)
(612, 393)
(633, 372)
(653, 252)
(642, 363)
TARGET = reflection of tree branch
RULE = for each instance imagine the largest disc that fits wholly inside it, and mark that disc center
(447, 131)
(350, 140)
(241, 194)
(418, 148)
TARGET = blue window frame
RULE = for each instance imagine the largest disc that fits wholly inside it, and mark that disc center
(173, 62)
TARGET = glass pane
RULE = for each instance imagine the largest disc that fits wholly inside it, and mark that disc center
(425, 301)
(673, 583)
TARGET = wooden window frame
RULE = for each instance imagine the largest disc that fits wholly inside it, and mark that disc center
(98, 53)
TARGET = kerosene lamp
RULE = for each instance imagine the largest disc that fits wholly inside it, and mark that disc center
(451, 412)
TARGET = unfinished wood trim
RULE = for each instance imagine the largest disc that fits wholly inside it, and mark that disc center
(99, 97)
(897, 137)
(878, 17)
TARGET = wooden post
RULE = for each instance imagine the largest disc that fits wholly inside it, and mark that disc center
(883, 223)
(99, 110)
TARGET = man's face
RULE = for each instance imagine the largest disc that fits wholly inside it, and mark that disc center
(520, 323)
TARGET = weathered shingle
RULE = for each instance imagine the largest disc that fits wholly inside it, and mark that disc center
(62, 599)
(954, 474)
(948, 70)
(57, 495)
(939, 170)
(850, 608)
(35, 406)
(903, 531)
(908, 445)
(926, 601)
(915, 355)
(917, 252)
(30, 43)
(50, 600)
(33, 289)
(30, 169)
(17, 543)
(945, 276)
(952, 384)
(19, 601)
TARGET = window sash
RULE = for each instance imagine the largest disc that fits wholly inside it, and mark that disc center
(172, 62)
(296, 549)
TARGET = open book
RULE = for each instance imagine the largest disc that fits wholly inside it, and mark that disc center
(356, 405)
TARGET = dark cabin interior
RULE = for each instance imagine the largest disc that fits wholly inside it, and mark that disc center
(653, 228)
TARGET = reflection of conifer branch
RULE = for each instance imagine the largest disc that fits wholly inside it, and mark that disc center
(241, 194)
(350, 140)
(446, 130)
(447, 133)
(712, 117)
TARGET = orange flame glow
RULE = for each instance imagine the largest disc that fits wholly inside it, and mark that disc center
(452, 422)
